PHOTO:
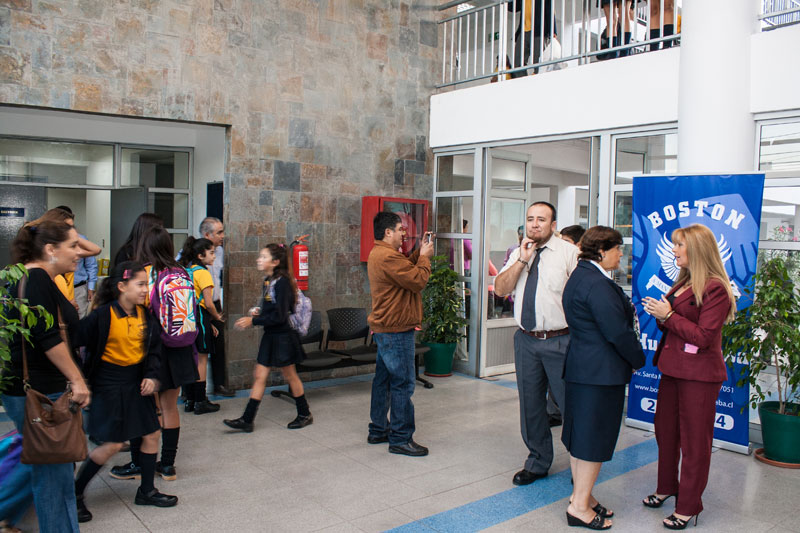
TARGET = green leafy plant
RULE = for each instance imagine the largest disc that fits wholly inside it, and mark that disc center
(768, 333)
(443, 304)
(10, 327)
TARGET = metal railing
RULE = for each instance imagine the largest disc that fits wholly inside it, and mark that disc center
(779, 13)
(502, 39)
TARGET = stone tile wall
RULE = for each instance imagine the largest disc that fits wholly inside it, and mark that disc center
(327, 101)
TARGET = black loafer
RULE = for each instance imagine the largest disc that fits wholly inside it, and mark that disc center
(155, 498)
(126, 471)
(377, 440)
(188, 406)
(201, 408)
(167, 472)
(526, 477)
(224, 391)
(239, 423)
(83, 513)
(410, 448)
(301, 422)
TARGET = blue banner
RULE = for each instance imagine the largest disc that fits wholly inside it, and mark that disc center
(730, 206)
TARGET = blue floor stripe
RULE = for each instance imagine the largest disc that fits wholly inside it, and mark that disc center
(518, 501)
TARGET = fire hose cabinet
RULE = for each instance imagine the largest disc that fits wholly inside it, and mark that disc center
(413, 215)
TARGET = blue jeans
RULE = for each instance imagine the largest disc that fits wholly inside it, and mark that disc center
(51, 487)
(393, 387)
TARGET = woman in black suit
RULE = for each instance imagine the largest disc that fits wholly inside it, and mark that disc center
(603, 352)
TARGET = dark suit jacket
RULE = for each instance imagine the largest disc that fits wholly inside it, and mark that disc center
(699, 326)
(603, 348)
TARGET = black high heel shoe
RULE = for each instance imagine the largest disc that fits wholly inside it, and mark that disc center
(598, 522)
(673, 522)
(655, 502)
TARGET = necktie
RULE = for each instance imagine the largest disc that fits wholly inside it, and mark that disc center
(528, 318)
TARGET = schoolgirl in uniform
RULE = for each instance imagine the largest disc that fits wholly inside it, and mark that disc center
(122, 366)
(178, 366)
(196, 256)
(280, 345)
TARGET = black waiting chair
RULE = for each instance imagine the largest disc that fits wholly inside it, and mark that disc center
(350, 323)
(315, 359)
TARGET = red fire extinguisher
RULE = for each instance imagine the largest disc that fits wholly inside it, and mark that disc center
(300, 261)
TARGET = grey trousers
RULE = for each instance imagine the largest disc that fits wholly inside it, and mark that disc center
(539, 363)
(82, 297)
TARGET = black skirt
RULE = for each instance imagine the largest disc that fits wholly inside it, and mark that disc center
(592, 417)
(280, 349)
(178, 367)
(118, 411)
(205, 337)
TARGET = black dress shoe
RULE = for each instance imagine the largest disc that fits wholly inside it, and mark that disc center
(377, 440)
(526, 477)
(188, 406)
(155, 498)
(83, 513)
(201, 408)
(555, 421)
(167, 472)
(239, 423)
(301, 422)
(126, 471)
(222, 390)
(409, 448)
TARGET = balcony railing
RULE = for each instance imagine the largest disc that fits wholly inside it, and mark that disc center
(501, 39)
(779, 13)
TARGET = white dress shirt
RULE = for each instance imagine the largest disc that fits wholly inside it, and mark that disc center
(216, 273)
(558, 259)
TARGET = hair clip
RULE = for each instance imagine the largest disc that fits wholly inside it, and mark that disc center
(282, 245)
(33, 229)
(127, 274)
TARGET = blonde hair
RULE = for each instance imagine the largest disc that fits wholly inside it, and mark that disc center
(705, 263)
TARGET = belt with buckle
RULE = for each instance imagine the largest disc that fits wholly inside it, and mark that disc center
(546, 334)
(81, 283)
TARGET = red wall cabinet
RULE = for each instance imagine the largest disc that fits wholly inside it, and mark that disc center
(413, 213)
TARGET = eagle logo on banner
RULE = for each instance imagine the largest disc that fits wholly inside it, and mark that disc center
(671, 269)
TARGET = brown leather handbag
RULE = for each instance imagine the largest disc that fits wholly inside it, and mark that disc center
(52, 431)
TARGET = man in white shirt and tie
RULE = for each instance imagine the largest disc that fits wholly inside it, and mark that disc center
(535, 274)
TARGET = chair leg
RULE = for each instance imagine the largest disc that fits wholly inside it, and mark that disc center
(427, 384)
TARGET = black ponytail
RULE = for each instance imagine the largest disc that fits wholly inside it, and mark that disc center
(108, 290)
(192, 248)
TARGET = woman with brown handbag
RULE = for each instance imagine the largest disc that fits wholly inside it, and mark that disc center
(47, 249)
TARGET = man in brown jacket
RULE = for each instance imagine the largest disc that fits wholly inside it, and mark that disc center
(396, 282)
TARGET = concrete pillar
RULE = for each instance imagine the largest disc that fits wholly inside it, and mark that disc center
(716, 132)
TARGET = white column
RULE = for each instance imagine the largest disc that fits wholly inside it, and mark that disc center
(716, 131)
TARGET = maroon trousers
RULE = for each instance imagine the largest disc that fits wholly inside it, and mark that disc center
(684, 423)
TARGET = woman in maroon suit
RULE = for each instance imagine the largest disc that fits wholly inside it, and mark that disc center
(689, 357)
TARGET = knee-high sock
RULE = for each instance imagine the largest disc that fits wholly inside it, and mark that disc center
(87, 471)
(200, 391)
(654, 34)
(169, 445)
(251, 410)
(136, 446)
(148, 472)
(669, 29)
(302, 405)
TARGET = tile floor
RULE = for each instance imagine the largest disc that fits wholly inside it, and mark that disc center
(327, 478)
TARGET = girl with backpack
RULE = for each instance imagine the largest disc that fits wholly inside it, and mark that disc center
(171, 299)
(122, 365)
(280, 345)
(196, 256)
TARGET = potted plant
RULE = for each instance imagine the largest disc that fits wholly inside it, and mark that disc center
(9, 327)
(443, 311)
(765, 335)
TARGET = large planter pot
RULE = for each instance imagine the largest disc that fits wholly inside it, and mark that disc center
(439, 360)
(781, 433)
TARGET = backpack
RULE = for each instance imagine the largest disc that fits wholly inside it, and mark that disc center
(173, 301)
(300, 319)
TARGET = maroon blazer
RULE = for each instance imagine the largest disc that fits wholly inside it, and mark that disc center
(692, 327)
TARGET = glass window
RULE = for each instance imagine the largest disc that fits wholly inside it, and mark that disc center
(455, 173)
(623, 213)
(780, 146)
(171, 207)
(780, 214)
(646, 155)
(508, 174)
(64, 163)
(155, 168)
(178, 239)
(452, 213)
(458, 252)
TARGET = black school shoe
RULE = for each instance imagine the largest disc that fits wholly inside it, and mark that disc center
(126, 471)
(410, 448)
(155, 498)
(201, 408)
(239, 423)
(301, 422)
(222, 390)
(167, 472)
(188, 406)
(83, 513)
